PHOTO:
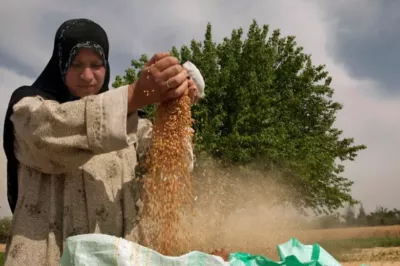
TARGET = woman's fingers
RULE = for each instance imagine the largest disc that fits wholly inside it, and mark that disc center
(161, 79)
(176, 80)
(155, 58)
(164, 63)
(177, 92)
(170, 72)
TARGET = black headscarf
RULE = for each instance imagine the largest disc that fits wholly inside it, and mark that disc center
(70, 37)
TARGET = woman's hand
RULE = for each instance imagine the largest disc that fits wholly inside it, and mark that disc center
(162, 78)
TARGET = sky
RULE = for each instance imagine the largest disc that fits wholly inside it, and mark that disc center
(356, 40)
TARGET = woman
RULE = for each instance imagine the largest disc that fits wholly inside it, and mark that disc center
(71, 145)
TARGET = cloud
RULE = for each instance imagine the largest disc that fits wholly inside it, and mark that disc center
(135, 27)
(365, 38)
(8, 80)
(372, 121)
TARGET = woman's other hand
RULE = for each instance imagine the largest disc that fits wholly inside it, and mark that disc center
(194, 92)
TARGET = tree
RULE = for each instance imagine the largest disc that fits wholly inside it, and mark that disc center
(362, 216)
(267, 103)
(350, 216)
(328, 221)
(384, 216)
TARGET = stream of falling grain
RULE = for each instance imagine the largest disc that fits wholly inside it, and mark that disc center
(168, 186)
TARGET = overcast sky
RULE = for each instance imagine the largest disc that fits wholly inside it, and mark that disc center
(358, 41)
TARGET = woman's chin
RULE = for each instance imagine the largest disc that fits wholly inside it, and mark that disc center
(86, 92)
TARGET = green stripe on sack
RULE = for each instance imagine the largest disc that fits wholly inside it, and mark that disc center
(315, 252)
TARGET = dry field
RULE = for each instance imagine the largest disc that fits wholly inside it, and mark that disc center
(374, 256)
(384, 256)
(264, 242)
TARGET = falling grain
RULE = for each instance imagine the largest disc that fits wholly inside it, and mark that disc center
(167, 186)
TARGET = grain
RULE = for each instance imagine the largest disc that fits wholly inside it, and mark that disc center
(167, 185)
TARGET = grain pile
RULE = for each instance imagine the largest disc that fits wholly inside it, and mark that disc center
(167, 185)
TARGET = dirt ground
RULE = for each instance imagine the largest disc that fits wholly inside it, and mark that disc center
(374, 256)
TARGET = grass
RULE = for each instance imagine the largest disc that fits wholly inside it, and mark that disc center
(1, 259)
(327, 235)
(361, 243)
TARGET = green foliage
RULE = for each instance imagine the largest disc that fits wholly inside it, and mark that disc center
(380, 217)
(350, 216)
(362, 216)
(383, 216)
(266, 102)
(328, 221)
(5, 227)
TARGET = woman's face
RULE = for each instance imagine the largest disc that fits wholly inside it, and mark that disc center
(86, 74)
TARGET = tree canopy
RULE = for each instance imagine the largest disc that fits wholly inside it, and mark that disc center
(267, 103)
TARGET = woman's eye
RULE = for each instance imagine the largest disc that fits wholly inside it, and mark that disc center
(76, 65)
(97, 66)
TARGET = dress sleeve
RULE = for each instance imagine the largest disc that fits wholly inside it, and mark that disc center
(144, 134)
(56, 138)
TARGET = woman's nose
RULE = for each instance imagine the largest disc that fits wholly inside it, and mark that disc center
(87, 74)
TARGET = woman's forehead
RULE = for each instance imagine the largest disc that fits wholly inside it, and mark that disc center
(87, 54)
